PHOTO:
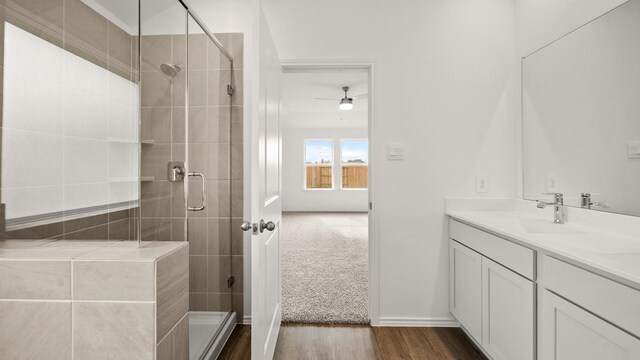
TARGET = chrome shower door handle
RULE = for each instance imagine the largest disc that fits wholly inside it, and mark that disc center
(204, 194)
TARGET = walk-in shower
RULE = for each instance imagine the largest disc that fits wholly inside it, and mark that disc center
(122, 124)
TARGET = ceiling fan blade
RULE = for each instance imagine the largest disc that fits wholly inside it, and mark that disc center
(327, 99)
(361, 96)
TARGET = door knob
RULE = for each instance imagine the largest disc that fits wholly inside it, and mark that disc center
(246, 226)
(267, 226)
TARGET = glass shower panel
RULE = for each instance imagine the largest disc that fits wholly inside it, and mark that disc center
(163, 57)
(208, 154)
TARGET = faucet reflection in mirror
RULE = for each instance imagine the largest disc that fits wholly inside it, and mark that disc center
(586, 202)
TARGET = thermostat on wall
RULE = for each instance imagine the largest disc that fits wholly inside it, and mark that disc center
(395, 151)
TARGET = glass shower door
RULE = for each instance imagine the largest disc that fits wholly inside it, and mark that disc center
(207, 146)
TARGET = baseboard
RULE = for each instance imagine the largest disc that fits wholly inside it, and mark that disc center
(418, 322)
(246, 320)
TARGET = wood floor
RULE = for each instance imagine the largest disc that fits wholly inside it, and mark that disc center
(358, 342)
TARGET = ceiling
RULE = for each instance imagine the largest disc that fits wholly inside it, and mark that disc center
(301, 109)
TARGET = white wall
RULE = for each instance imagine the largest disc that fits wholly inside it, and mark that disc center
(445, 83)
(294, 196)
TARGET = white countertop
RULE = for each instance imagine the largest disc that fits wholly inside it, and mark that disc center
(590, 243)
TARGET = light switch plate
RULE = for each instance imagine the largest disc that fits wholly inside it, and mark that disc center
(395, 151)
(633, 150)
(551, 182)
(482, 183)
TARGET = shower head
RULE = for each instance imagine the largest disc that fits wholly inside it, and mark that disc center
(170, 70)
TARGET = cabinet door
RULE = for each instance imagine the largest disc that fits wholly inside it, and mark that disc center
(568, 332)
(508, 313)
(465, 277)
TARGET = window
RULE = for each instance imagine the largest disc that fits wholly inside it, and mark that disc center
(318, 164)
(354, 164)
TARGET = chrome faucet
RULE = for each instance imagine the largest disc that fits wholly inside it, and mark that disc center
(558, 210)
(585, 202)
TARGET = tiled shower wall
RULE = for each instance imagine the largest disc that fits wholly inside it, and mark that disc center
(78, 29)
(215, 149)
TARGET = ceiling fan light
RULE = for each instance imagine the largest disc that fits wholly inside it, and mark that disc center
(346, 104)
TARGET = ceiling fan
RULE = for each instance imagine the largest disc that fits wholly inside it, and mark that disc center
(346, 103)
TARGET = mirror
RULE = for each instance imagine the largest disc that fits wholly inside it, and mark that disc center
(70, 118)
(581, 115)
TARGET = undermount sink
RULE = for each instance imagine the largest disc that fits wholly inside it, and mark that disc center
(537, 226)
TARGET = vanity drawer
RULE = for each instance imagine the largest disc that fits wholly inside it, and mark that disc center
(509, 254)
(612, 301)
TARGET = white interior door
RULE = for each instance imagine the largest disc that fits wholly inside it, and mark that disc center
(266, 207)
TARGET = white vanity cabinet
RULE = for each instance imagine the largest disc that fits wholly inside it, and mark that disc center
(518, 303)
(584, 316)
(495, 304)
(465, 268)
(568, 332)
(508, 313)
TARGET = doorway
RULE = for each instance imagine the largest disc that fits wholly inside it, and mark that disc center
(325, 197)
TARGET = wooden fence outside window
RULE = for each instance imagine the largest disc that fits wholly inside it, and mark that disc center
(355, 176)
(319, 177)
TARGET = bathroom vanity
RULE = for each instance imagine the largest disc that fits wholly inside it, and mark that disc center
(94, 299)
(555, 280)
(523, 287)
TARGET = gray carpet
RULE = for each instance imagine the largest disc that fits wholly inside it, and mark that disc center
(325, 274)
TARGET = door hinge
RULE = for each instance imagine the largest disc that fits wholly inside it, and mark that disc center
(229, 90)
(230, 281)
(370, 206)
